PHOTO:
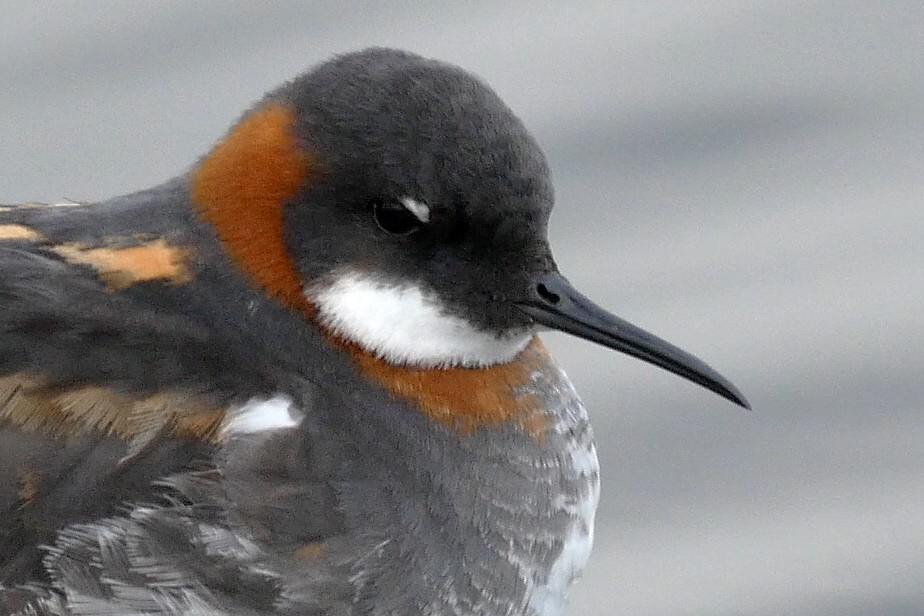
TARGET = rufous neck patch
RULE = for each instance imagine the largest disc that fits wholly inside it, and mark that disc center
(241, 188)
(467, 399)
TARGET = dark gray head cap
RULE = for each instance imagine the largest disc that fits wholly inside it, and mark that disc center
(425, 122)
(387, 124)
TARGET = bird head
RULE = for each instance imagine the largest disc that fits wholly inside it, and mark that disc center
(404, 208)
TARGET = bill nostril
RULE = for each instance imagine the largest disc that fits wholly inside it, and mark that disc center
(547, 294)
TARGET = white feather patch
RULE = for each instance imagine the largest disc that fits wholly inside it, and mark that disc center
(579, 457)
(550, 599)
(403, 325)
(260, 415)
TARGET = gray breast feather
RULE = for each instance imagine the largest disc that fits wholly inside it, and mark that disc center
(397, 517)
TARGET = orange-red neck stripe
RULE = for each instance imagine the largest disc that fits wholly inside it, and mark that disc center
(241, 188)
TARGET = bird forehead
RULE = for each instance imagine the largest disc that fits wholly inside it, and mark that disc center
(405, 111)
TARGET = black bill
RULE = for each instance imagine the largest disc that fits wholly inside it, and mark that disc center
(558, 305)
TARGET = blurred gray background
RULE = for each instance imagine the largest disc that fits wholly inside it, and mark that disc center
(745, 179)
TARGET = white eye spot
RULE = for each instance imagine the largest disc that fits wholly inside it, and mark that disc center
(418, 208)
(404, 325)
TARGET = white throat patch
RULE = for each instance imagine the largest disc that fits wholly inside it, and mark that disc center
(403, 325)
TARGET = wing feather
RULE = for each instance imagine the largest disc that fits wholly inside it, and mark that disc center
(112, 453)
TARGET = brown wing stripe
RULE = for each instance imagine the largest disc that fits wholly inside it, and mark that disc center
(120, 268)
(26, 404)
(19, 232)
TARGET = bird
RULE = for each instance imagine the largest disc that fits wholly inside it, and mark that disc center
(304, 376)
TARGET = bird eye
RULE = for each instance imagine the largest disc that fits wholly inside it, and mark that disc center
(395, 217)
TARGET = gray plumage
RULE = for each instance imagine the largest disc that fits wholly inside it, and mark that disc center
(366, 507)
